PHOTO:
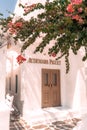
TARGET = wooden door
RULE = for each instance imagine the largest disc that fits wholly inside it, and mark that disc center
(50, 88)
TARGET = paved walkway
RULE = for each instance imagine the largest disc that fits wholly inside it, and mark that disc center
(57, 125)
(18, 123)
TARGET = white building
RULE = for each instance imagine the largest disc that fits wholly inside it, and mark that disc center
(42, 82)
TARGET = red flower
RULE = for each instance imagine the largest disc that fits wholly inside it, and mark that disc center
(81, 21)
(29, 8)
(18, 24)
(53, 54)
(12, 31)
(68, 15)
(20, 59)
(26, 10)
(70, 8)
(76, 1)
(80, 10)
(33, 5)
(76, 17)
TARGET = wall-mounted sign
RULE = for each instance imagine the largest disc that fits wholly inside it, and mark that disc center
(44, 61)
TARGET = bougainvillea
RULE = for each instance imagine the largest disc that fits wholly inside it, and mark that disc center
(14, 27)
(63, 21)
(20, 59)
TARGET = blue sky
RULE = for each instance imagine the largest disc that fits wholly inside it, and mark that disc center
(7, 5)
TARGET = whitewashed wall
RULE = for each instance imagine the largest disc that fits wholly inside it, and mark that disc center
(31, 80)
(76, 82)
(2, 73)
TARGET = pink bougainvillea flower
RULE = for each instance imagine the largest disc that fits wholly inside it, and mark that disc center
(76, 2)
(68, 15)
(20, 59)
(26, 10)
(29, 8)
(13, 27)
(81, 21)
(18, 24)
(70, 8)
(53, 54)
(80, 10)
(76, 17)
(12, 31)
(33, 5)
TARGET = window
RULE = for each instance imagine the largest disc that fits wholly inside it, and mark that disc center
(45, 79)
(10, 83)
(54, 79)
(16, 83)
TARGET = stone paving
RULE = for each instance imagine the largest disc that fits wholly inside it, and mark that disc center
(67, 123)
(20, 124)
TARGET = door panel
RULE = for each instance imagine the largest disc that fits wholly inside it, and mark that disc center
(45, 88)
(55, 89)
(50, 88)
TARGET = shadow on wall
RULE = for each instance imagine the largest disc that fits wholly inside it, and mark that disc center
(78, 81)
(18, 105)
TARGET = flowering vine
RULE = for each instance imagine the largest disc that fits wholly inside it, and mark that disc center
(20, 59)
(63, 21)
(13, 27)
